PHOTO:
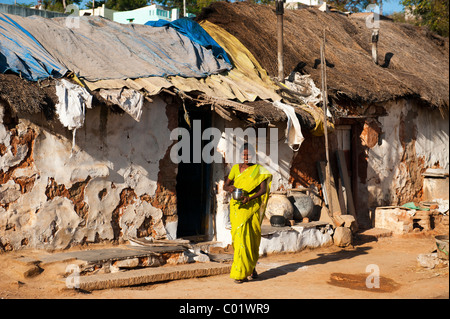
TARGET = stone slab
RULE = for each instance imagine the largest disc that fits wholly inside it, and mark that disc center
(376, 232)
(152, 275)
(312, 224)
(221, 258)
(267, 229)
(159, 249)
(108, 254)
(397, 219)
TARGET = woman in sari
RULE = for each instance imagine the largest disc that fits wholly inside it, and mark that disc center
(246, 214)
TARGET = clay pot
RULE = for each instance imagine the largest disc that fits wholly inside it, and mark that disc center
(277, 221)
(279, 205)
(302, 203)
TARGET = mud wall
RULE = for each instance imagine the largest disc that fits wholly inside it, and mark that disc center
(407, 141)
(114, 184)
(390, 149)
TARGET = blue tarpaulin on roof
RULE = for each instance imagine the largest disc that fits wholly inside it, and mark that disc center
(195, 32)
(96, 48)
(21, 53)
(99, 49)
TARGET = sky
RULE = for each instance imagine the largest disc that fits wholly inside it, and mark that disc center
(389, 6)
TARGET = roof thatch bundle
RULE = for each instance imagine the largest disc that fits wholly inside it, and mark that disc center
(26, 97)
(413, 61)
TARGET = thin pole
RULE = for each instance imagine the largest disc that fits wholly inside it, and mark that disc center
(279, 12)
(325, 129)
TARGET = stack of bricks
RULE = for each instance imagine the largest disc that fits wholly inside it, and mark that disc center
(421, 220)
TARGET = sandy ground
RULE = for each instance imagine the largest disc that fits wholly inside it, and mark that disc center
(328, 272)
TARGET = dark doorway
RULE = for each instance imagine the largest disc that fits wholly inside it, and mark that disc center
(193, 182)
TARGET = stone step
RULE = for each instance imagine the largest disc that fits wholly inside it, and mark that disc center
(150, 275)
(108, 254)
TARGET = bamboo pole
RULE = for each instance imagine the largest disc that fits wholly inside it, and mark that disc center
(324, 105)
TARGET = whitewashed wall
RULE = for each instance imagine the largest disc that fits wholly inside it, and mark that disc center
(413, 139)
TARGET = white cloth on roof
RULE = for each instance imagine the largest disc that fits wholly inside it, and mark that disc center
(72, 102)
(71, 107)
(129, 100)
(294, 136)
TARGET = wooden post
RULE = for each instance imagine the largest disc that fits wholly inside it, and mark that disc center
(324, 105)
(279, 10)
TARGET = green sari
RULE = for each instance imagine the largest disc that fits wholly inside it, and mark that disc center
(246, 219)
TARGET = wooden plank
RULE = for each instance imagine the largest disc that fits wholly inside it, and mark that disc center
(227, 103)
(342, 165)
(331, 194)
(222, 112)
(142, 242)
(325, 216)
(334, 205)
(321, 173)
(340, 191)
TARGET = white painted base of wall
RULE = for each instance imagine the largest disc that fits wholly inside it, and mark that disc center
(290, 239)
(293, 239)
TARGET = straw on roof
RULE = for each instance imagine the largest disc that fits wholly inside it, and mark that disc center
(413, 62)
(26, 97)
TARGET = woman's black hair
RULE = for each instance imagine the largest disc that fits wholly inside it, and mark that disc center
(248, 147)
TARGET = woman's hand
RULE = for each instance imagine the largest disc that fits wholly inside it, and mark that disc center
(260, 192)
(228, 186)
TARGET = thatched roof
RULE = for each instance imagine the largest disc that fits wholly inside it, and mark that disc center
(23, 97)
(413, 62)
(228, 90)
(26, 97)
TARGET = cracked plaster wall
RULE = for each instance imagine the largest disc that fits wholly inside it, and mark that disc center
(53, 198)
(410, 139)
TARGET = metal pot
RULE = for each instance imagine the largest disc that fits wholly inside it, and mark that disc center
(238, 193)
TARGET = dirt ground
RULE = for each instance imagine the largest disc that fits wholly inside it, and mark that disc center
(325, 273)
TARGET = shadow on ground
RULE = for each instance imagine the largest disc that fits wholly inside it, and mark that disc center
(320, 260)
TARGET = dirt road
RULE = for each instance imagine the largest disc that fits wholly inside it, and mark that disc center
(388, 265)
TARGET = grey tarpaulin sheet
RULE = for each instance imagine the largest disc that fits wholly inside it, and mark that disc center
(22, 54)
(96, 49)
